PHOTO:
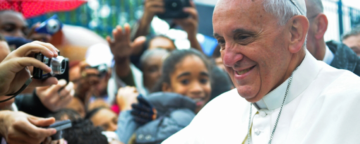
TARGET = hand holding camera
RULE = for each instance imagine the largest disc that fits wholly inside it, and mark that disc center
(57, 96)
(190, 23)
(14, 68)
(151, 8)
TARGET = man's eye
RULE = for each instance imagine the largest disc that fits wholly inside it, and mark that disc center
(242, 37)
(203, 81)
(185, 82)
(221, 42)
(9, 28)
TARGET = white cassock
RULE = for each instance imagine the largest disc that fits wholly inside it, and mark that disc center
(322, 107)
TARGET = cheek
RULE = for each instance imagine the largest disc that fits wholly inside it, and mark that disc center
(179, 88)
(207, 89)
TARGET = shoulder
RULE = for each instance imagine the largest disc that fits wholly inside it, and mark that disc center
(339, 84)
(220, 109)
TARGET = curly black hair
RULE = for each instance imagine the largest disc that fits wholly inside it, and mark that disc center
(84, 132)
(71, 114)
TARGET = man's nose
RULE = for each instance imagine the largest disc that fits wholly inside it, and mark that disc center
(230, 56)
(19, 33)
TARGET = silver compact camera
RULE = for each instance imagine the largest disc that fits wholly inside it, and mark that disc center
(58, 66)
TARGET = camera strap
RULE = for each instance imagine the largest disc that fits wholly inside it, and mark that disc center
(19, 91)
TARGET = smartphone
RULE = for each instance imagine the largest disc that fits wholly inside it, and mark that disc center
(60, 126)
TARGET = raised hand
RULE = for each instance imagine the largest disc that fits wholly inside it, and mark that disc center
(121, 45)
(126, 97)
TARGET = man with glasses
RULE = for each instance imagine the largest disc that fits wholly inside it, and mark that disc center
(283, 94)
(332, 53)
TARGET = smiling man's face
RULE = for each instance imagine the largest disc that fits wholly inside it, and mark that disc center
(254, 48)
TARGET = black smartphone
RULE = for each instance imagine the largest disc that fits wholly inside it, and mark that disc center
(60, 126)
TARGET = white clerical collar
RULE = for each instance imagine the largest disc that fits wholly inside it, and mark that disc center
(302, 77)
(329, 56)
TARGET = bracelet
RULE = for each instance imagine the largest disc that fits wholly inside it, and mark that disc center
(19, 91)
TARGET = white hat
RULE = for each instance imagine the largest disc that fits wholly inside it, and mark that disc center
(300, 5)
(99, 54)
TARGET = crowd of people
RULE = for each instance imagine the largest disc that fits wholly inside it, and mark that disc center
(147, 89)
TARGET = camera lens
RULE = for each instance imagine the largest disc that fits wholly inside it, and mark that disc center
(58, 65)
(174, 5)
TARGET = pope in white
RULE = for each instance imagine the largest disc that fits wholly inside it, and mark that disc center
(283, 94)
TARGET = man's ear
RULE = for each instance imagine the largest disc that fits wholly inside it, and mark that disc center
(108, 74)
(166, 87)
(299, 26)
(322, 25)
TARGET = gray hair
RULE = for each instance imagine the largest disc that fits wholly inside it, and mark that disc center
(354, 32)
(152, 52)
(316, 4)
(284, 10)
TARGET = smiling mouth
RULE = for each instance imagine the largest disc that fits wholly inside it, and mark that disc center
(244, 71)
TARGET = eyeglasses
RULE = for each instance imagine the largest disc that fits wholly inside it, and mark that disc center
(292, 1)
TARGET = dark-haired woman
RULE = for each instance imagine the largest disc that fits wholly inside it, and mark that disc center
(183, 89)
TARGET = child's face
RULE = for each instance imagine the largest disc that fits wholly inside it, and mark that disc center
(106, 119)
(191, 78)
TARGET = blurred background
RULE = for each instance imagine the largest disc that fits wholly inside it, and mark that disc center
(102, 16)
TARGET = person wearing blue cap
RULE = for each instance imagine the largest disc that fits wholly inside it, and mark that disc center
(283, 94)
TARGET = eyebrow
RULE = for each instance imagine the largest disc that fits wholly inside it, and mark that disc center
(183, 74)
(204, 74)
(244, 31)
(239, 30)
(217, 35)
(188, 73)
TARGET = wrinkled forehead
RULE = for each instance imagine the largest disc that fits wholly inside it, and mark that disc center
(12, 17)
(241, 14)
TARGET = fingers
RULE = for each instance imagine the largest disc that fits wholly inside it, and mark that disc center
(46, 82)
(40, 122)
(67, 90)
(141, 120)
(192, 11)
(108, 39)
(154, 6)
(140, 107)
(66, 95)
(118, 33)
(127, 32)
(31, 127)
(139, 42)
(54, 89)
(143, 101)
(142, 115)
(36, 47)
(20, 63)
